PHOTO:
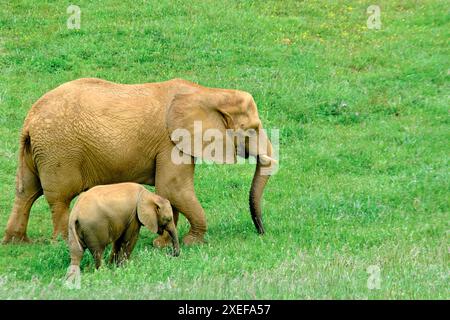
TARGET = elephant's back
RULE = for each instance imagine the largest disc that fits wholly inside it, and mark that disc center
(113, 201)
(89, 96)
(93, 100)
(95, 110)
(95, 123)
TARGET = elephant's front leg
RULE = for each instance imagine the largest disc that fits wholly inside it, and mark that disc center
(195, 214)
(187, 203)
(175, 182)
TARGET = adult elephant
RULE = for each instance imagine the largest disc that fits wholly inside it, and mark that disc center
(90, 132)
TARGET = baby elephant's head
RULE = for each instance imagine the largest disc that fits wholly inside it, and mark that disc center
(156, 214)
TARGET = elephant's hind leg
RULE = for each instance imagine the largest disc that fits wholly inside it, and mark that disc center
(60, 184)
(76, 250)
(60, 214)
(60, 218)
(114, 257)
(16, 228)
(95, 245)
(98, 256)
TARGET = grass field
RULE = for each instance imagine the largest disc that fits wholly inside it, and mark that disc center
(363, 184)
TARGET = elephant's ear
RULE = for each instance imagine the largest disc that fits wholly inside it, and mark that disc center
(198, 123)
(146, 212)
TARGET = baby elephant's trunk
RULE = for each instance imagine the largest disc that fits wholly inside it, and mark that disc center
(172, 230)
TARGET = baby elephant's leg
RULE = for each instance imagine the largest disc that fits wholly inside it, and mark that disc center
(114, 257)
(128, 244)
(97, 252)
(73, 276)
(76, 248)
(95, 241)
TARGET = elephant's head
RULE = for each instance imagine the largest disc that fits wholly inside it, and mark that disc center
(217, 125)
(155, 213)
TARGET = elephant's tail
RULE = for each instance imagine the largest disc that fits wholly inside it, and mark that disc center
(74, 239)
(24, 145)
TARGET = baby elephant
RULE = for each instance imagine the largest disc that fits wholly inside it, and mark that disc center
(114, 213)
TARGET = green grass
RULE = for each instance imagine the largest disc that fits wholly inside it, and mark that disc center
(364, 132)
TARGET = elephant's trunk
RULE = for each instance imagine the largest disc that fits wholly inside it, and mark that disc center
(260, 178)
(172, 230)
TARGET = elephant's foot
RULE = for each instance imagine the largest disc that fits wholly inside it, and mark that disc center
(15, 238)
(193, 239)
(162, 241)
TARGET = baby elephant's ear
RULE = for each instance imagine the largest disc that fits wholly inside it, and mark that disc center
(146, 211)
